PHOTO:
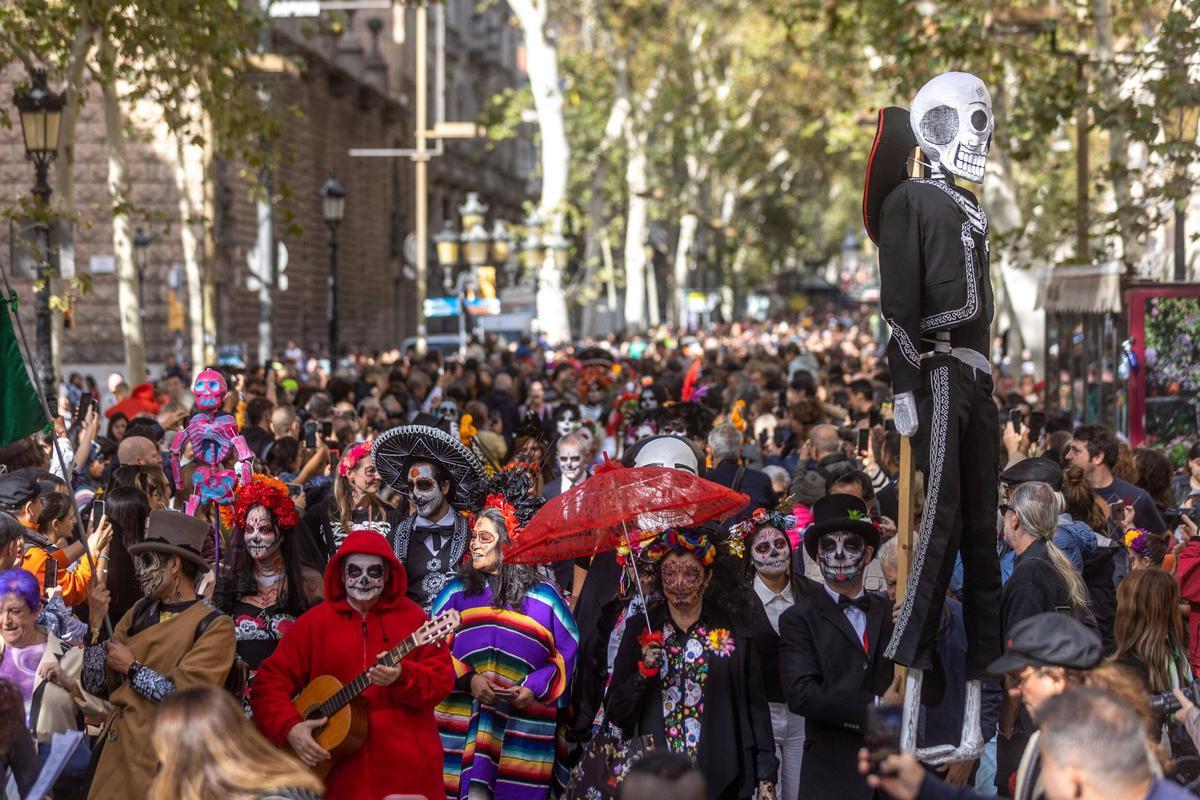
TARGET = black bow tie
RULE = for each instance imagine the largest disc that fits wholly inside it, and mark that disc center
(862, 602)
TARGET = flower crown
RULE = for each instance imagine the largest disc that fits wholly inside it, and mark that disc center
(762, 518)
(1138, 541)
(265, 491)
(352, 457)
(511, 524)
(679, 541)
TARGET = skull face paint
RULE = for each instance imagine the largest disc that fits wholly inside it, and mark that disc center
(683, 580)
(261, 538)
(770, 553)
(570, 462)
(363, 576)
(842, 556)
(566, 420)
(647, 401)
(210, 389)
(150, 569)
(425, 491)
(448, 411)
(485, 546)
(953, 122)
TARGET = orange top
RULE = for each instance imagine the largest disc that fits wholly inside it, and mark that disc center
(74, 583)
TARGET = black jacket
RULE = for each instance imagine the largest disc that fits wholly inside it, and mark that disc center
(754, 483)
(766, 640)
(933, 273)
(737, 747)
(829, 679)
(1033, 588)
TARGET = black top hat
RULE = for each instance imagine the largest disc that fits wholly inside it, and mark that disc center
(1033, 469)
(174, 533)
(1050, 639)
(839, 512)
(17, 489)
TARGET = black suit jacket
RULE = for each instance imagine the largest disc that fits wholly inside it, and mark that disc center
(830, 680)
(766, 640)
(755, 483)
(737, 747)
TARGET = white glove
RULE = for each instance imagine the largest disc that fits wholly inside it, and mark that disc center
(904, 413)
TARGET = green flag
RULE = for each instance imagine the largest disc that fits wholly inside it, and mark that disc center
(20, 411)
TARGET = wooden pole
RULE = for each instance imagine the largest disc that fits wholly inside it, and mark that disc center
(904, 530)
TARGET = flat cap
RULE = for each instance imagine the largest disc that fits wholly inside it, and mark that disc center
(17, 489)
(1033, 469)
(1052, 639)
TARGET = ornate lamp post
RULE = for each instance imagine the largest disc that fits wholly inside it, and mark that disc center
(446, 244)
(1179, 122)
(333, 208)
(41, 114)
(533, 247)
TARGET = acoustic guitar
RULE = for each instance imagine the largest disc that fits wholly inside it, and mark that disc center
(325, 696)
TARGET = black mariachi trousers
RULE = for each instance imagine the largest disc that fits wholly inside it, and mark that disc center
(955, 447)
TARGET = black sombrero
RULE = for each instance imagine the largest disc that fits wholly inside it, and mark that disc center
(887, 166)
(396, 449)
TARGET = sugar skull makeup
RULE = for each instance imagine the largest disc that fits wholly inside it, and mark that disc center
(683, 579)
(570, 462)
(210, 389)
(261, 537)
(842, 556)
(150, 569)
(647, 400)
(424, 489)
(485, 546)
(363, 576)
(770, 553)
(448, 411)
(566, 420)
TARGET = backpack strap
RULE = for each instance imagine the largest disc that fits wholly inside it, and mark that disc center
(738, 478)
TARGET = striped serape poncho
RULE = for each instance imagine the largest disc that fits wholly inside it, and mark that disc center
(512, 753)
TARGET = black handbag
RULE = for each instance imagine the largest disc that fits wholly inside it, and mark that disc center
(605, 763)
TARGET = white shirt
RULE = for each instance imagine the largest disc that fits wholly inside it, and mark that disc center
(857, 617)
(774, 603)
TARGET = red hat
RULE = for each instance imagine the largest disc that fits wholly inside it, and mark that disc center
(142, 400)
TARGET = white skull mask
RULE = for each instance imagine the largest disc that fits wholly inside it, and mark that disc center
(567, 422)
(668, 451)
(952, 119)
(363, 576)
(770, 553)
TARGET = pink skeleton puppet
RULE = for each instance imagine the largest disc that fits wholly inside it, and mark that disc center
(212, 436)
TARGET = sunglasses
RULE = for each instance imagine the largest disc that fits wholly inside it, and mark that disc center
(422, 485)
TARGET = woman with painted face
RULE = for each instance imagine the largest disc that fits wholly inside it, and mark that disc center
(691, 678)
(776, 589)
(169, 640)
(264, 587)
(354, 506)
(514, 657)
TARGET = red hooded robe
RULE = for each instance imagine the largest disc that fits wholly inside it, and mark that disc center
(402, 753)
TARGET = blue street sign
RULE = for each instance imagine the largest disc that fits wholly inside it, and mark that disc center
(441, 307)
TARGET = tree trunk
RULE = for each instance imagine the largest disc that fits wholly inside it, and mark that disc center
(542, 68)
(635, 237)
(688, 223)
(118, 193)
(193, 274)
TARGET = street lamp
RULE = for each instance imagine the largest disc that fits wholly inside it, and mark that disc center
(446, 245)
(502, 246)
(333, 208)
(472, 211)
(141, 241)
(476, 241)
(1179, 123)
(533, 248)
(561, 247)
(41, 112)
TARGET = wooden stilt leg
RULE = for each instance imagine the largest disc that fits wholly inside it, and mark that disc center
(904, 529)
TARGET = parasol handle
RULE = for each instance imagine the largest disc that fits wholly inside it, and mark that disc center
(637, 579)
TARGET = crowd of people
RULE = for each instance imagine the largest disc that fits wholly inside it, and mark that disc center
(171, 654)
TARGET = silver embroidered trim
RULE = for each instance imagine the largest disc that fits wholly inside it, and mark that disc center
(904, 343)
(940, 384)
(975, 214)
(971, 307)
(152, 686)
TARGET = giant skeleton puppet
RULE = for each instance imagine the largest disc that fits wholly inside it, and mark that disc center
(213, 436)
(936, 294)
(441, 477)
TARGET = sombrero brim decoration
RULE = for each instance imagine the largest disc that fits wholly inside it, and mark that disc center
(394, 450)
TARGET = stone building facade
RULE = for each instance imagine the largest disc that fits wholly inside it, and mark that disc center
(351, 86)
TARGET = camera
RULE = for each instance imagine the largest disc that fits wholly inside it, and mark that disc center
(1174, 516)
(1167, 703)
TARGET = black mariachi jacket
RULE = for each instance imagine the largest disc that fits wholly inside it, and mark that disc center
(933, 273)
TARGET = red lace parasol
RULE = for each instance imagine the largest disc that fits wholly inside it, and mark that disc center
(613, 506)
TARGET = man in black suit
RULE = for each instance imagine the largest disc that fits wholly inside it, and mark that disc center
(571, 456)
(831, 650)
(725, 443)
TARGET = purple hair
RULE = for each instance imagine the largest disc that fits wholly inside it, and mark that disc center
(24, 585)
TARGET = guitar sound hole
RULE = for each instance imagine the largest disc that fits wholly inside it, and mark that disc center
(314, 713)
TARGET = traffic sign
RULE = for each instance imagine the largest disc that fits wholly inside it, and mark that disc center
(440, 307)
